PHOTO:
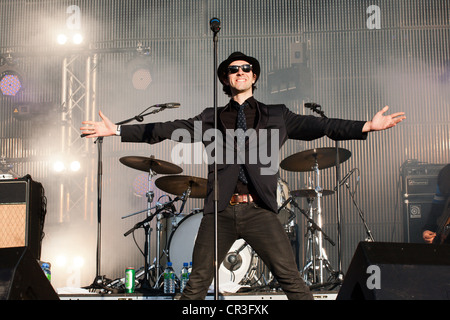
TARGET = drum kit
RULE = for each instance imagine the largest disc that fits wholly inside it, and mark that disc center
(241, 266)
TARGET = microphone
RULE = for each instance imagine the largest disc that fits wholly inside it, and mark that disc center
(214, 24)
(169, 105)
(345, 179)
(285, 204)
(312, 105)
(315, 108)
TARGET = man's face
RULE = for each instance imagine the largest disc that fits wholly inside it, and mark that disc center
(240, 81)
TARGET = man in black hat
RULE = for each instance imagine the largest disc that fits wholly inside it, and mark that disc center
(247, 204)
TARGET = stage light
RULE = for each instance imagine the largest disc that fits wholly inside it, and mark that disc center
(139, 69)
(59, 166)
(77, 38)
(11, 80)
(67, 163)
(61, 39)
(75, 166)
(10, 83)
(70, 38)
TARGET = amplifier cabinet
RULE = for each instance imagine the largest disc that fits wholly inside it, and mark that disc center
(420, 185)
(416, 212)
(22, 214)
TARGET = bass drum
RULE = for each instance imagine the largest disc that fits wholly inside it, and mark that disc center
(238, 265)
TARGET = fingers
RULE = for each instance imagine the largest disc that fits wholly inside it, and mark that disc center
(398, 115)
(386, 108)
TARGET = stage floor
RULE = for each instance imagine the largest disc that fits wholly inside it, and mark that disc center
(326, 295)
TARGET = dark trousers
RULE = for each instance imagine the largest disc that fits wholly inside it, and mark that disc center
(262, 230)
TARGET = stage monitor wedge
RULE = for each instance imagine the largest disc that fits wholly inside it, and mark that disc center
(397, 271)
(21, 277)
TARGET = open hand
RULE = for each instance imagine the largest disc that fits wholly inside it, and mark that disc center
(382, 122)
(99, 128)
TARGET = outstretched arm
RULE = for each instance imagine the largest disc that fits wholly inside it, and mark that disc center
(382, 122)
(102, 128)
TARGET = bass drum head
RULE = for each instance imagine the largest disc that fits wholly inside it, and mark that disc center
(182, 239)
(236, 264)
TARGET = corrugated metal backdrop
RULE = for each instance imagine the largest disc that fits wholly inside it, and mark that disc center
(355, 70)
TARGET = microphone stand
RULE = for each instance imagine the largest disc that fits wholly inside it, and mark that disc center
(99, 281)
(215, 27)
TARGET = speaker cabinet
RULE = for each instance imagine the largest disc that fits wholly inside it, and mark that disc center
(22, 214)
(398, 271)
(21, 277)
(416, 212)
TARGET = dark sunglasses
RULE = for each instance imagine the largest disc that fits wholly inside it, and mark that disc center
(244, 67)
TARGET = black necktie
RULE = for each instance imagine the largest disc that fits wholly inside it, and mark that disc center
(241, 124)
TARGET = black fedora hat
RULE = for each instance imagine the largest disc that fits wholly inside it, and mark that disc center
(222, 71)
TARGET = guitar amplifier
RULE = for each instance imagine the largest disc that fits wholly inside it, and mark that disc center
(415, 212)
(22, 214)
(419, 179)
(419, 183)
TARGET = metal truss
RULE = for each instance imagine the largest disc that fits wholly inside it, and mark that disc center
(79, 78)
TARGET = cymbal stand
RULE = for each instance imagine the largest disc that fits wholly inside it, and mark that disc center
(310, 246)
(313, 227)
(316, 252)
(150, 195)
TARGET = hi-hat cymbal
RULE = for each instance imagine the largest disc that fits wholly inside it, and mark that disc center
(178, 184)
(306, 160)
(310, 193)
(147, 164)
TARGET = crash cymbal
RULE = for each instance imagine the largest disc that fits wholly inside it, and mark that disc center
(178, 184)
(310, 193)
(145, 164)
(306, 160)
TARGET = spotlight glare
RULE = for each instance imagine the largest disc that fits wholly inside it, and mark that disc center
(59, 166)
(77, 38)
(75, 166)
(61, 39)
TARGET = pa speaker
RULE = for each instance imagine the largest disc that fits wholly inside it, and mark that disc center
(22, 214)
(397, 271)
(21, 277)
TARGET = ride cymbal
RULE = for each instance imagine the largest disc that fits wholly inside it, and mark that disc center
(306, 160)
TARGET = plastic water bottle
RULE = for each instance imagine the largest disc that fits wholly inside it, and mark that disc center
(46, 268)
(169, 279)
(184, 276)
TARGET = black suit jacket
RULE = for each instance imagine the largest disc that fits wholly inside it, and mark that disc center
(275, 124)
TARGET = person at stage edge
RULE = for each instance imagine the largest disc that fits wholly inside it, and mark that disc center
(247, 204)
(439, 212)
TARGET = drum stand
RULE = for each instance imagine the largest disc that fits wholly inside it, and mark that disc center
(315, 252)
(145, 283)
